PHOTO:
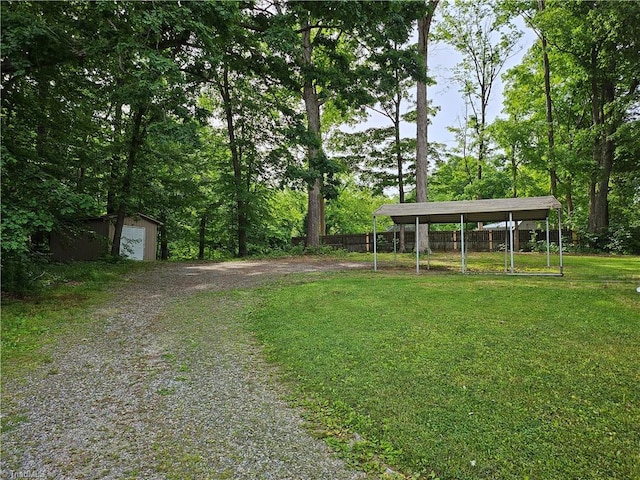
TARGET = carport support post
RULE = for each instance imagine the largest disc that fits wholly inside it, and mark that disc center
(506, 243)
(511, 237)
(395, 249)
(560, 237)
(375, 246)
(462, 242)
(417, 245)
(428, 247)
(548, 261)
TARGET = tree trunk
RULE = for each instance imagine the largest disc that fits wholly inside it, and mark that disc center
(599, 188)
(114, 173)
(113, 182)
(569, 197)
(396, 124)
(422, 160)
(117, 234)
(41, 127)
(480, 127)
(514, 172)
(422, 114)
(323, 216)
(480, 130)
(553, 177)
(236, 160)
(201, 236)
(137, 137)
(603, 94)
(164, 241)
(313, 215)
(315, 221)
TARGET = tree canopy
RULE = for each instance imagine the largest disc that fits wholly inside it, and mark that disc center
(215, 117)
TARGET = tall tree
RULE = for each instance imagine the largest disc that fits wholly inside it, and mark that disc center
(525, 106)
(328, 58)
(144, 48)
(312, 103)
(486, 41)
(600, 38)
(377, 152)
(551, 152)
(422, 107)
(49, 173)
(258, 136)
(110, 77)
(528, 11)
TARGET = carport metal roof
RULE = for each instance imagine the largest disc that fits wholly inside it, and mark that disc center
(532, 208)
(498, 209)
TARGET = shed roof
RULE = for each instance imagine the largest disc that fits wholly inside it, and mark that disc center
(531, 208)
(113, 216)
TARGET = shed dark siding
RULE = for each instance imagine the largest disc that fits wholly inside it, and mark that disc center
(87, 240)
(90, 239)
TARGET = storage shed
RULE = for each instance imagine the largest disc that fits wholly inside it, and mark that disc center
(91, 238)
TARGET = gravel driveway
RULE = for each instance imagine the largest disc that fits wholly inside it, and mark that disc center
(130, 395)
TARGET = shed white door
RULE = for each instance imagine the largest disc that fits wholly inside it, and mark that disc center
(132, 242)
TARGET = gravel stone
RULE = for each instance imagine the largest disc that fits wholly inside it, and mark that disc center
(130, 396)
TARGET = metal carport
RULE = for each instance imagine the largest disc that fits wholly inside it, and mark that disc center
(498, 209)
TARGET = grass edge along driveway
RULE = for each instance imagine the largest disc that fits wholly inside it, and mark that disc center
(468, 377)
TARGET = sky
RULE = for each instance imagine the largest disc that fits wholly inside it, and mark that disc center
(445, 93)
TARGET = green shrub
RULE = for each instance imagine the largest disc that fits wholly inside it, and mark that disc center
(21, 273)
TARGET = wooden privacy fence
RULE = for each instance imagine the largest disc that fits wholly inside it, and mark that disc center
(475, 241)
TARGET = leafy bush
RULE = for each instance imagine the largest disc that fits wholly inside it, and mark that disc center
(620, 239)
(540, 246)
(30, 273)
(623, 239)
(20, 273)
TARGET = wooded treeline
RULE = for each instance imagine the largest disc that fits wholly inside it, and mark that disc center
(222, 119)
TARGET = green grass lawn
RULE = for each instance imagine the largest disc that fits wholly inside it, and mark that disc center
(476, 262)
(467, 377)
(439, 374)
